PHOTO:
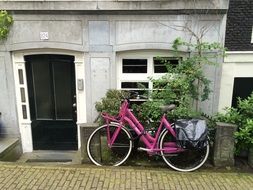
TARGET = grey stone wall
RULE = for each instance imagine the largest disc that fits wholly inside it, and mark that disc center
(186, 6)
(113, 27)
(85, 131)
(8, 110)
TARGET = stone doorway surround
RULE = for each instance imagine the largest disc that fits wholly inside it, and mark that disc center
(22, 100)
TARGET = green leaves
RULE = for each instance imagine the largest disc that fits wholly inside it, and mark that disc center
(231, 115)
(6, 21)
(149, 111)
(242, 116)
(184, 84)
(177, 43)
(111, 102)
(244, 136)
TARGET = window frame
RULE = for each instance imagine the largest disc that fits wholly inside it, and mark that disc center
(140, 77)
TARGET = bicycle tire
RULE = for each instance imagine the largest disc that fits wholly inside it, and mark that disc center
(186, 161)
(101, 154)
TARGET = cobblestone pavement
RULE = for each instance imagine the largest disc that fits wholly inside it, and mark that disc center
(24, 176)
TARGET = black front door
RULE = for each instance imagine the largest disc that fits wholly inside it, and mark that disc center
(51, 88)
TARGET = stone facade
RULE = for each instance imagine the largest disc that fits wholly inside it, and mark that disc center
(96, 33)
(86, 130)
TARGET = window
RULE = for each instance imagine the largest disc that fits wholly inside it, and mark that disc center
(243, 86)
(136, 69)
(140, 87)
(134, 65)
(160, 63)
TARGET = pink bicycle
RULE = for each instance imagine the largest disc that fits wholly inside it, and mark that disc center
(112, 143)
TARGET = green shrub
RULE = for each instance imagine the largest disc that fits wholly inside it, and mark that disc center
(231, 115)
(242, 116)
(149, 111)
(244, 136)
(6, 21)
(111, 102)
(182, 112)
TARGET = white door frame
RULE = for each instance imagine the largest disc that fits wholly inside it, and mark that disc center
(22, 100)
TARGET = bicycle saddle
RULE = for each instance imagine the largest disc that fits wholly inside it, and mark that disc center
(167, 108)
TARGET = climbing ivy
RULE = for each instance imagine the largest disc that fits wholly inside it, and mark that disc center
(6, 21)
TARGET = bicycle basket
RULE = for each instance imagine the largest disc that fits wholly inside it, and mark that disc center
(191, 133)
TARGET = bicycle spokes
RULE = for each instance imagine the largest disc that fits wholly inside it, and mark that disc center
(101, 153)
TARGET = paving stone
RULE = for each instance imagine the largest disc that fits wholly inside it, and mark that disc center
(16, 176)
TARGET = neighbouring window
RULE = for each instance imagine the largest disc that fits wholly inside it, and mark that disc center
(243, 87)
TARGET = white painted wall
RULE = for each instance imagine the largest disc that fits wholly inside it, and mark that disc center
(236, 64)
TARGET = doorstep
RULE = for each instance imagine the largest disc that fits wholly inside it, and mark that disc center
(51, 156)
(10, 149)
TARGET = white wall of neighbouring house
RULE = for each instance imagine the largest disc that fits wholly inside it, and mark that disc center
(236, 64)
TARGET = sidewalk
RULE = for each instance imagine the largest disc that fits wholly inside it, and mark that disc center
(52, 176)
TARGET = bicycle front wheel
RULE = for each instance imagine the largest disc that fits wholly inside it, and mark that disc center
(185, 161)
(101, 154)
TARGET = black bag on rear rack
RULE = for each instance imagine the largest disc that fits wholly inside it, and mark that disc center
(191, 133)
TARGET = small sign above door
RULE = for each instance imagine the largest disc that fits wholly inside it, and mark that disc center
(44, 36)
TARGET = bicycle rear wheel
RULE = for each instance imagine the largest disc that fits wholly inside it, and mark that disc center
(101, 154)
(185, 161)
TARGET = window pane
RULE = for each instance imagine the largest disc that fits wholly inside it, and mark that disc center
(43, 90)
(24, 111)
(135, 66)
(63, 87)
(160, 63)
(20, 76)
(140, 87)
(22, 93)
(134, 85)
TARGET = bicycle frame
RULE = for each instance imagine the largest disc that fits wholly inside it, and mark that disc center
(151, 143)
